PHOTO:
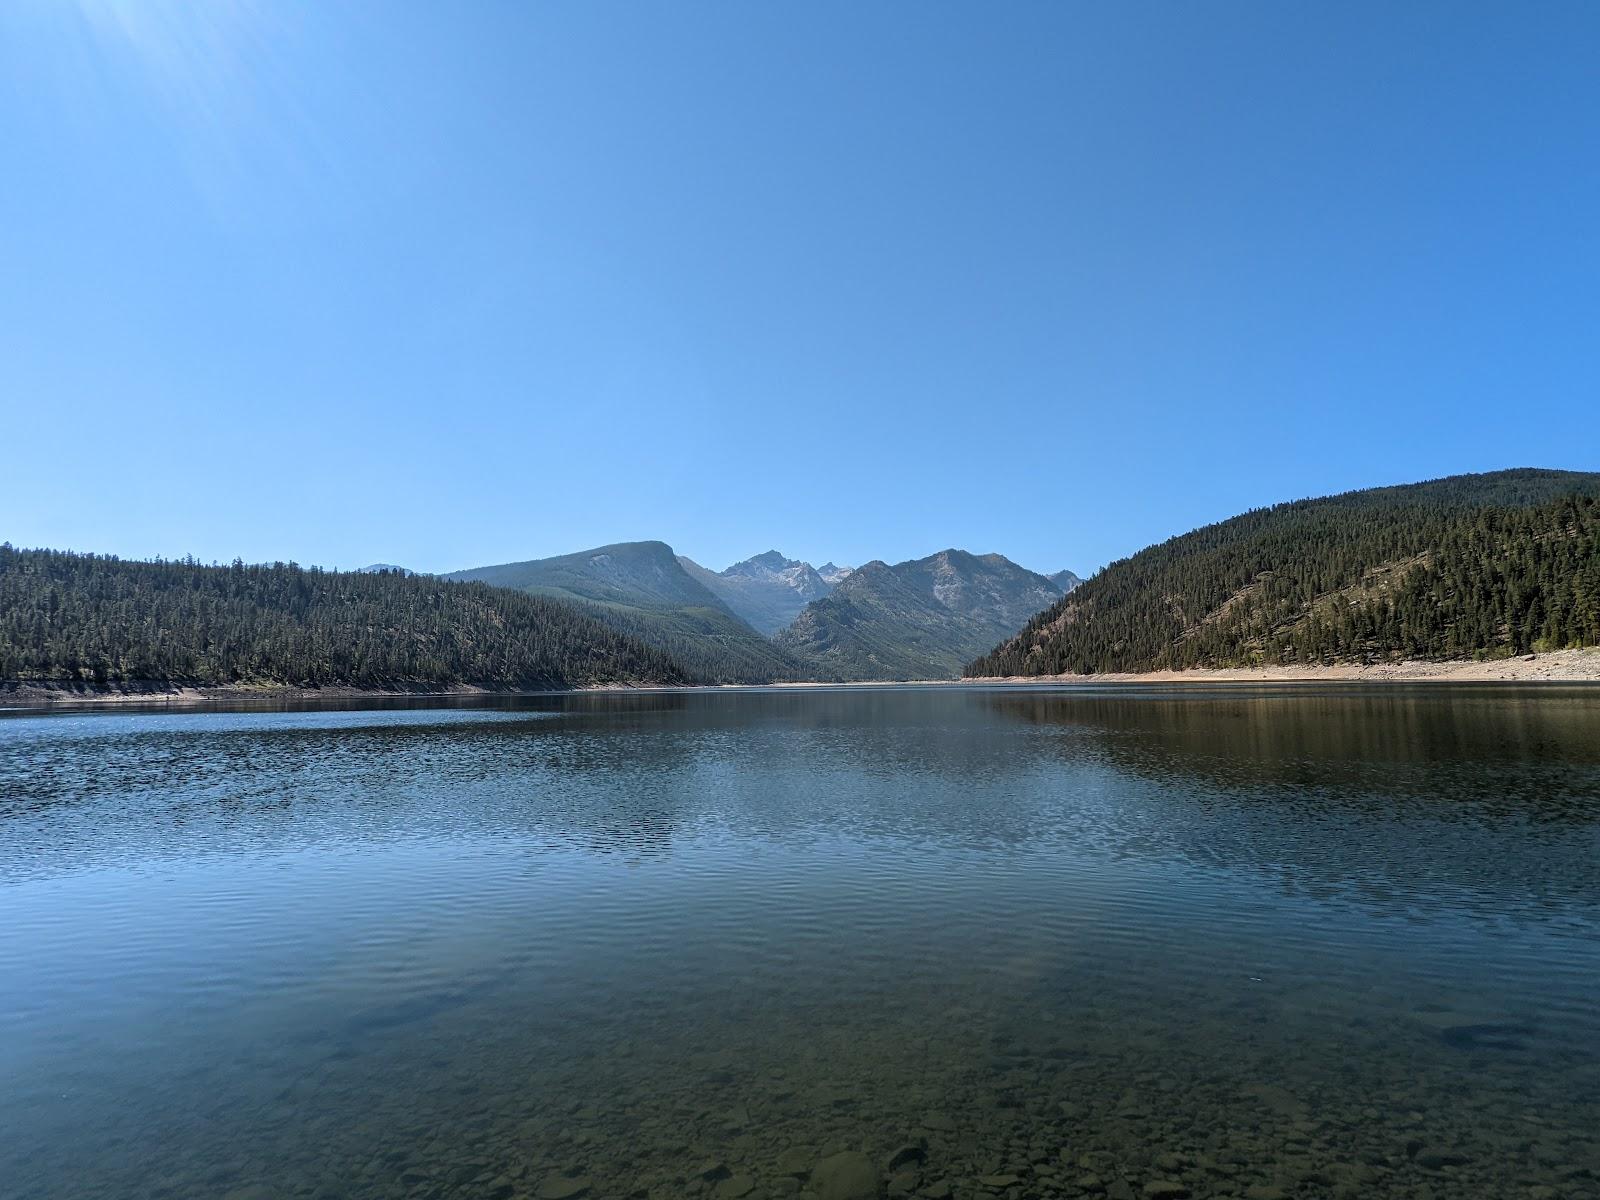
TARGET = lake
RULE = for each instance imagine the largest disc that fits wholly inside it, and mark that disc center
(962, 942)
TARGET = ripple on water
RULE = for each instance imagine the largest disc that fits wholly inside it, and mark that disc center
(1312, 943)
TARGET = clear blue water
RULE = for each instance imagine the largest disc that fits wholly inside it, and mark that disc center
(1335, 942)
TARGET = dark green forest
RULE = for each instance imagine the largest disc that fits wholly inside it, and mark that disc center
(1469, 566)
(96, 619)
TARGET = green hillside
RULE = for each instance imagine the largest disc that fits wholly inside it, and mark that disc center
(642, 590)
(1462, 567)
(75, 617)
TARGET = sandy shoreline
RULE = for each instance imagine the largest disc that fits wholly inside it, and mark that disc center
(1561, 666)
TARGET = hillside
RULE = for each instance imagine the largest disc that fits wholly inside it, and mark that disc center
(72, 617)
(916, 620)
(767, 591)
(1462, 567)
(645, 574)
(641, 589)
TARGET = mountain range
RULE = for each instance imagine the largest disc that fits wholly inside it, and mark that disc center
(643, 590)
(921, 619)
(773, 618)
(1471, 566)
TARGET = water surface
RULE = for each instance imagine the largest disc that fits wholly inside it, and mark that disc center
(1296, 942)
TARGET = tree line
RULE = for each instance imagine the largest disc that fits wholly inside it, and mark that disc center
(1472, 566)
(96, 618)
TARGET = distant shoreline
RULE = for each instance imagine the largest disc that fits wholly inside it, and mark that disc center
(36, 693)
(1560, 666)
(1556, 666)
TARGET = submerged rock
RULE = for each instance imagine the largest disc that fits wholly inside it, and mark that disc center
(563, 1187)
(1434, 1158)
(1476, 1030)
(1277, 1099)
(794, 1161)
(910, 1155)
(846, 1176)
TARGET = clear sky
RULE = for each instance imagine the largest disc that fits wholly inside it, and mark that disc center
(446, 284)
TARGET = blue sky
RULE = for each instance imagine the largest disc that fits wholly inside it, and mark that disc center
(451, 284)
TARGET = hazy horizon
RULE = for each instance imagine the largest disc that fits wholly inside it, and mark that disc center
(678, 550)
(1083, 571)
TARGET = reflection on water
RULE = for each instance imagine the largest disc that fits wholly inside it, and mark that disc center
(955, 942)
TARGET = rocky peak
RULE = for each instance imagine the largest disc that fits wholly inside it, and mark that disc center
(762, 566)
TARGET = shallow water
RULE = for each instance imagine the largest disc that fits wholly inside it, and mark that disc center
(1302, 943)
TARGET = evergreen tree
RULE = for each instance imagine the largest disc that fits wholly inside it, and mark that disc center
(93, 618)
(1475, 565)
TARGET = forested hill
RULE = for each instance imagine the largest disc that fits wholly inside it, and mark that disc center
(73, 617)
(1462, 567)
